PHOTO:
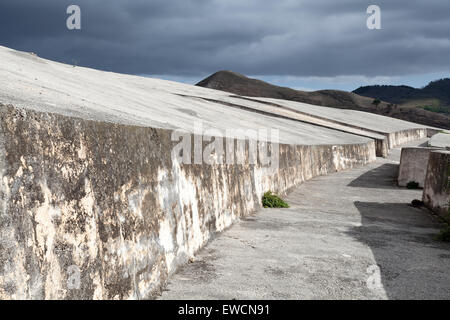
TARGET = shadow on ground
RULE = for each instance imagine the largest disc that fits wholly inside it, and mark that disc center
(382, 177)
(412, 264)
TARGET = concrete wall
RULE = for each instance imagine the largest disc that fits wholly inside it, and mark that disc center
(108, 200)
(404, 136)
(413, 165)
(436, 193)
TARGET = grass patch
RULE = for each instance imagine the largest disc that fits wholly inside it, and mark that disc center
(437, 109)
(412, 185)
(270, 200)
(444, 235)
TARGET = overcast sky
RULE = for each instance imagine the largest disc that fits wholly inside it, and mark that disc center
(305, 44)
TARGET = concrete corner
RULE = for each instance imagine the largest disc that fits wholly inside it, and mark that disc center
(413, 165)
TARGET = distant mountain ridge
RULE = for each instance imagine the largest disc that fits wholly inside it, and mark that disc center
(439, 89)
(239, 84)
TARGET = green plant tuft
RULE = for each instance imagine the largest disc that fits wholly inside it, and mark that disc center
(412, 185)
(444, 235)
(270, 200)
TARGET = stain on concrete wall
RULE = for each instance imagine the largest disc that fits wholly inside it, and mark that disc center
(108, 200)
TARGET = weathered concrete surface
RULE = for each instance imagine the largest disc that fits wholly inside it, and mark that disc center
(413, 165)
(328, 245)
(110, 200)
(436, 192)
(440, 140)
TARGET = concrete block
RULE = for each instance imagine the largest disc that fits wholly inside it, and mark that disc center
(436, 192)
(413, 165)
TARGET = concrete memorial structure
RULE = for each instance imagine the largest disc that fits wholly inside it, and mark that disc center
(95, 203)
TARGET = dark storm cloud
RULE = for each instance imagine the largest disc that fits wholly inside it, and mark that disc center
(192, 37)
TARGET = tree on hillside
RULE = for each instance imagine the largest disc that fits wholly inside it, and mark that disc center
(376, 102)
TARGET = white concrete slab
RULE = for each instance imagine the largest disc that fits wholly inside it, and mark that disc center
(27, 81)
(440, 140)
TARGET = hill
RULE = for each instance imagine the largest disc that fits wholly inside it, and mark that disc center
(434, 97)
(239, 84)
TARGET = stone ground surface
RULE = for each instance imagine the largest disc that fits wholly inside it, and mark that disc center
(348, 235)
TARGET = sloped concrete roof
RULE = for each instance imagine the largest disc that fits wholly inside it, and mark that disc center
(360, 119)
(28, 81)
